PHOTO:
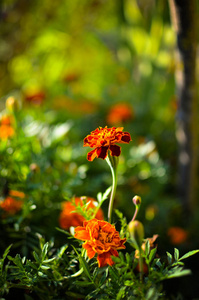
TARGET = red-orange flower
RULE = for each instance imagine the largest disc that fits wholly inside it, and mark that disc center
(102, 238)
(10, 205)
(120, 113)
(16, 194)
(177, 235)
(69, 217)
(6, 129)
(104, 139)
(13, 202)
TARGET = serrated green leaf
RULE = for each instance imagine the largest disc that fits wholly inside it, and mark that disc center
(4, 257)
(99, 197)
(36, 257)
(62, 250)
(147, 248)
(170, 258)
(49, 260)
(106, 193)
(45, 267)
(75, 274)
(190, 253)
(158, 263)
(45, 250)
(23, 260)
(84, 265)
(6, 251)
(178, 263)
(152, 255)
(83, 283)
(179, 273)
(176, 254)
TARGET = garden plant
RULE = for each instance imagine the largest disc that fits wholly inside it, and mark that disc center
(99, 150)
(96, 257)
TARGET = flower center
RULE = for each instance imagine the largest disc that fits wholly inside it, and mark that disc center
(104, 237)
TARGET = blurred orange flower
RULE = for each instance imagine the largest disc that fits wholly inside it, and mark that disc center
(13, 202)
(119, 113)
(177, 235)
(35, 97)
(104, 139)
(6, 129)
(76, 107)
(6, 132)
(10, 205)
(69, 217)
(16, 194)
(102, 238)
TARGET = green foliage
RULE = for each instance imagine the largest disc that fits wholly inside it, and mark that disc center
(56, 272)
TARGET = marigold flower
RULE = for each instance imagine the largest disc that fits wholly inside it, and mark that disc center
(10, 205)
(102, 238)
(104, 139)
(69, 217)
(16, 194)
(177, 235)
(6, 129)
(6, 132)
(119, 113)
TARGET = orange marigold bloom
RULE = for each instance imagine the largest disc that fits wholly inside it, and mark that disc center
(102, 238)
(16, 194)
(119, 113)
(104, 139)
(6, 132)
(6, 129)
(10, 205)
(69, 217)
(177, 235)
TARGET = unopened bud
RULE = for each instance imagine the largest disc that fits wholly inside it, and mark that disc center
(136, 230)
(34, 168)
(12, 104)
(137, 200)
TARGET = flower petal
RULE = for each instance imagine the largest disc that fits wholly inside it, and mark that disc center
(126, 138)
(102, 152)
(92, 154)
(89, 250)
(105, 259)
(81, 233)
(115, 150)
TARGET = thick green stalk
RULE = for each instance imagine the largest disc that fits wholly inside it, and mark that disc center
(112, 162)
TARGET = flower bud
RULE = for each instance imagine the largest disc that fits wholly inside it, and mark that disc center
(136, 230)
(34, 168)
(137, 200)
(12, 104)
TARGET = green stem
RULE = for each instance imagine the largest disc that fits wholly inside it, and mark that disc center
(112, 162)
(135, 214)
